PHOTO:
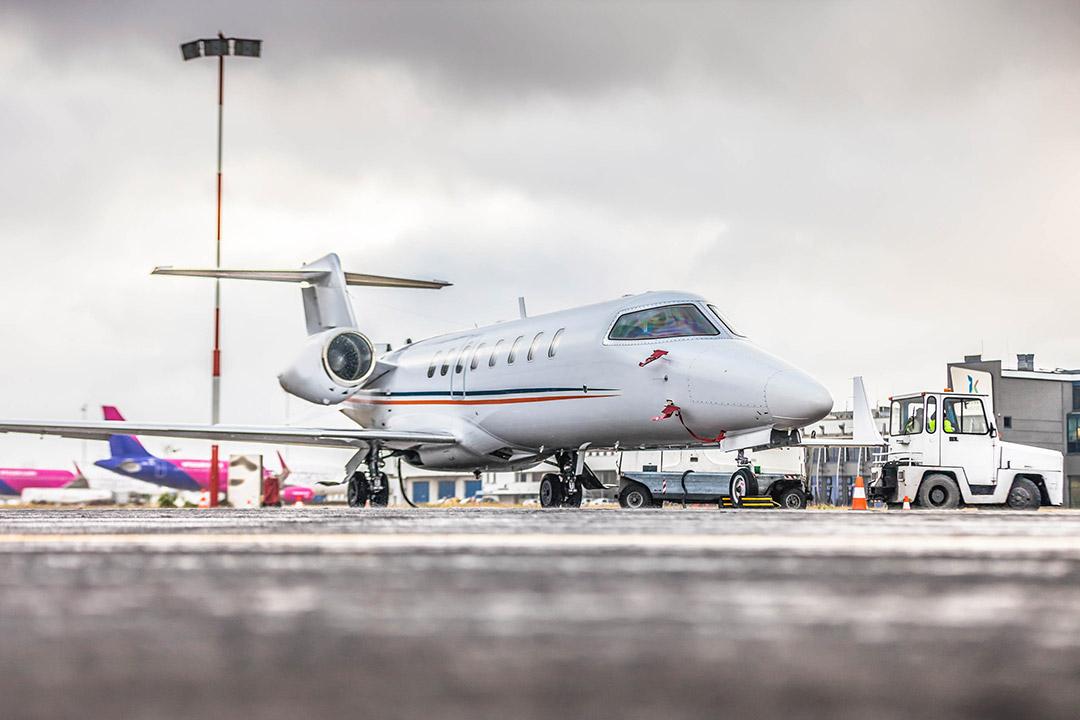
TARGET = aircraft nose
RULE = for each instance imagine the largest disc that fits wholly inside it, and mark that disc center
(795, 399)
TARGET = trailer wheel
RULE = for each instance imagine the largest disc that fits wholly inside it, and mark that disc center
(792, 498)
(635, 497)
(743, 484)
(940, 492)
(1024, 495)
(551, 491)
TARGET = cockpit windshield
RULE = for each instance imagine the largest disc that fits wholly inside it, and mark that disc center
(662, 322)
(725, 322)
(907, 416)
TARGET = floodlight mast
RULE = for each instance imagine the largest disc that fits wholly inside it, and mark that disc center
(219, 47)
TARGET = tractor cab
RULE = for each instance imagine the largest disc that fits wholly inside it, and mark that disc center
(944, 428)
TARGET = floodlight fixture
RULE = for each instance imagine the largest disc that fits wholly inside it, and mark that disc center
(220, 47)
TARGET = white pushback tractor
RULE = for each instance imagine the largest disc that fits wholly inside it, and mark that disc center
(944, 451)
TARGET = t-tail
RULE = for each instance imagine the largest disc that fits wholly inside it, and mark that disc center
(337, 359)
(123, 446)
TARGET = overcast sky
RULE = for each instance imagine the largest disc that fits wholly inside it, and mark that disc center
(865, 188)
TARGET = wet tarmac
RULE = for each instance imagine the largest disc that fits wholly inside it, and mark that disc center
(489, 613)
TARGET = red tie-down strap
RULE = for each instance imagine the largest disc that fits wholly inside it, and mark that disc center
(656, 355)
(671, 409)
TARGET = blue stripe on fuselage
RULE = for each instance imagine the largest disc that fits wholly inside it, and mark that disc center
(471, 393)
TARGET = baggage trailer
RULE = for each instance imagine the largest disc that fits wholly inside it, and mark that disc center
(741, 488)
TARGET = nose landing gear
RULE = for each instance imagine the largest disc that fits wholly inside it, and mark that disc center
(566, 488)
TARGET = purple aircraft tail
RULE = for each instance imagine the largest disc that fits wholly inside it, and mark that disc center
(122, 445)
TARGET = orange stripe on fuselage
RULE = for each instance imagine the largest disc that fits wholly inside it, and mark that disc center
(492, 401)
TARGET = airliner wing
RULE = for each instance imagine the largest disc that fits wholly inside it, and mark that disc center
(274, 435)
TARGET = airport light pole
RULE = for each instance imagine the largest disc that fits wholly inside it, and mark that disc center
(218, 47)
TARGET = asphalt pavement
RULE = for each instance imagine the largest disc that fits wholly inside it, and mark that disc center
(491, 613)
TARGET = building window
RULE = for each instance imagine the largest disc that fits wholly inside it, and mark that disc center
(421, 492)
(1006, 422)
(1076, 396)
(1072, 435)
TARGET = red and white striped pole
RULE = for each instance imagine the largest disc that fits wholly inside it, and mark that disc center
(215, 377)
(219, 47)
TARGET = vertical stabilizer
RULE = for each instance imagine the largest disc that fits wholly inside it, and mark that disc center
(326, 300)
(865, 431)
(122, 446)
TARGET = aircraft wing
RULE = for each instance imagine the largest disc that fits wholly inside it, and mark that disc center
(273, 435)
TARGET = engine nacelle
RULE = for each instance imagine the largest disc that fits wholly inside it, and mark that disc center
(332, 366)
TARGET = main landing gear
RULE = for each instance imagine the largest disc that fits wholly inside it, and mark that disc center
(372, 486)
(565, 488)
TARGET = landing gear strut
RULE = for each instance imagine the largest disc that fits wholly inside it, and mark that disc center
(372, 486)
(563, 489)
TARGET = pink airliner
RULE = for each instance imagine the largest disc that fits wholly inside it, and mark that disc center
(14, 480)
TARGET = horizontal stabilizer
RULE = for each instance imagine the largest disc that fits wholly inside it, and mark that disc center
(326, 299)
(297, 276)
(284, 435)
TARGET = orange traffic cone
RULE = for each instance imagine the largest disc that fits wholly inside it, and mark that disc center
(858, 498)
(907, 503)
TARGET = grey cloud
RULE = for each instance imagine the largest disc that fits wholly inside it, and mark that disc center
(836, 175)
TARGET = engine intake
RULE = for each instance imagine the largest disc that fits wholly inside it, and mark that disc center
(331, 366)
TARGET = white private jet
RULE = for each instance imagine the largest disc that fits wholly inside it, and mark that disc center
(655, 370)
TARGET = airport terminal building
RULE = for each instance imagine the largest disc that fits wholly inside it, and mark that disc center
(1031, 406)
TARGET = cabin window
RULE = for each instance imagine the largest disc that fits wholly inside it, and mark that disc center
(514, 349)
(554, 347)
(461, 359)
(535, 345)
(663, 322)
(434, 364)
(476, 356)
(495, 353)
(446, 362)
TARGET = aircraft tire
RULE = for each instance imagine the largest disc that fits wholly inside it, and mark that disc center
(940, 492)
(635, 497)
(551, 491)
(1023, 495)
(743, 484)
(382, 497)
(357, 492)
